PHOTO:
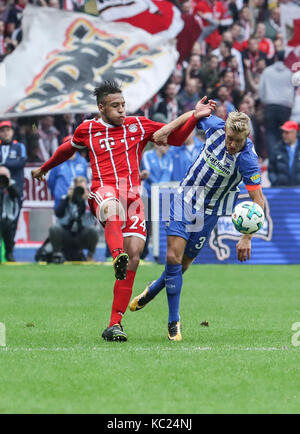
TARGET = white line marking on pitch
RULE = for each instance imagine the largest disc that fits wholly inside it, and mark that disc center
(128, 348)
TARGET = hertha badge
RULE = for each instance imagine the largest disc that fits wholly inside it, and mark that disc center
(133, 128)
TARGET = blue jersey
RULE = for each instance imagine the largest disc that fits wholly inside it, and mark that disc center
(160, 168)
(211, 183)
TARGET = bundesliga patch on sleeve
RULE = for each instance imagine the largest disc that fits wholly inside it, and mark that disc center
(256, 178)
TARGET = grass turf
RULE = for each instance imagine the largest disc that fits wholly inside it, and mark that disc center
(56, 362)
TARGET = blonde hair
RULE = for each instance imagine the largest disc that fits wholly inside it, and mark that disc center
(238, 122)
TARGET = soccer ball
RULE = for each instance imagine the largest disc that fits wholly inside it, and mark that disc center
(248, 217)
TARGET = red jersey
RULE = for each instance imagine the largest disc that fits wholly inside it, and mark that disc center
(115, 152)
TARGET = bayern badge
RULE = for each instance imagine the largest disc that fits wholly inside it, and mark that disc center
(133, 128)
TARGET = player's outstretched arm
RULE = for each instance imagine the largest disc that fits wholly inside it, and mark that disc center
(63, 153)
(176, 132)
(161, 136)
(243, 246)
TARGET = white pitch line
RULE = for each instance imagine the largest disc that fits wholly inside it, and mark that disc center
(127, 348)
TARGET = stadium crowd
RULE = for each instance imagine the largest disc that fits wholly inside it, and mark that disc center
(237, 58)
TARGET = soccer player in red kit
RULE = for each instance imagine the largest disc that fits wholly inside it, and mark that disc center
(115, 143)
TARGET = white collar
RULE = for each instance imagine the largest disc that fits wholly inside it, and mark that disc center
(104, 123)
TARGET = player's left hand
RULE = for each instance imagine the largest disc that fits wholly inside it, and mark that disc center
(202, 109)
(243, 248)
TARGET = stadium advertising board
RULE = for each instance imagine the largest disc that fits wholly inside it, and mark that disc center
(278, 242)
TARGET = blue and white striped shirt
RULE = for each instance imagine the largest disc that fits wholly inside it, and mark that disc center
(211, 183)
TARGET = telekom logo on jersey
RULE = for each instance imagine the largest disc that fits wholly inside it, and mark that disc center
(107, 143)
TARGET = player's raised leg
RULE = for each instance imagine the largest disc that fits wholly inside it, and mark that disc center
(114, 238)
(172, 279)
(153, 288)
(133, 246)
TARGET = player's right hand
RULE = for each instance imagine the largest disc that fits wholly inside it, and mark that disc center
(38, 173)
(202, 109)
(243, 248)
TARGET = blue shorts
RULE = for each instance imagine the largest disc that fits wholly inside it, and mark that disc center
(196, 234)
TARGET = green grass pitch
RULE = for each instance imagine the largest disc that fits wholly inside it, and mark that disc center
(56, 362)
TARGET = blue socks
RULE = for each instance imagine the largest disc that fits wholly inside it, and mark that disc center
(173, 286)
(157, 286)
(171, 278)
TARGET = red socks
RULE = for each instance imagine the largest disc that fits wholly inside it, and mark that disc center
(113, 235)
(123, 288)
(122, 294)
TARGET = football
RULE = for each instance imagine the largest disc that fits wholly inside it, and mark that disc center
(248, 217)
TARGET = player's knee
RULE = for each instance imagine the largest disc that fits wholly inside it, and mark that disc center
(173, 257)
(110, 209)
(134, 259)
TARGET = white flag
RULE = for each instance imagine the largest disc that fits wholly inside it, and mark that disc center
(64, 55)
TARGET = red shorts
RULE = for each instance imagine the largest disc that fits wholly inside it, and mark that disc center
(132, 209)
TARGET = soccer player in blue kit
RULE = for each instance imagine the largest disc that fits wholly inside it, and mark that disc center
(208, 190)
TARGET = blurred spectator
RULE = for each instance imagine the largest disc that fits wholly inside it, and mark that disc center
(284, 161)
(259, 131)
(190, 32)
(196, 49)
(14, 17)
(237, 36)
(238, 72)
(71, 234)
(253, 77)
(265, 45)
(222, 97)
(214, 14)
(273, 23)
(177, 78)
(3, 10)
(233, 9)
(259, 9)
(156, 166)
(234, 93)
(183, 156)
(189, 96)
(249, 100)
(27, 133)
(279, 42)
(62, 177)
(193, 67)
(210, 73)
(252, 53)
(48, 134)
(170, 106)
(247, 22)
(10, 210)
(221, 111)
(277, 93)
(65, 125)
(12, 155)
(223, 52)
(2, 40)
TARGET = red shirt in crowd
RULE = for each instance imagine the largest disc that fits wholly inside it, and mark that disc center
(216, 11)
